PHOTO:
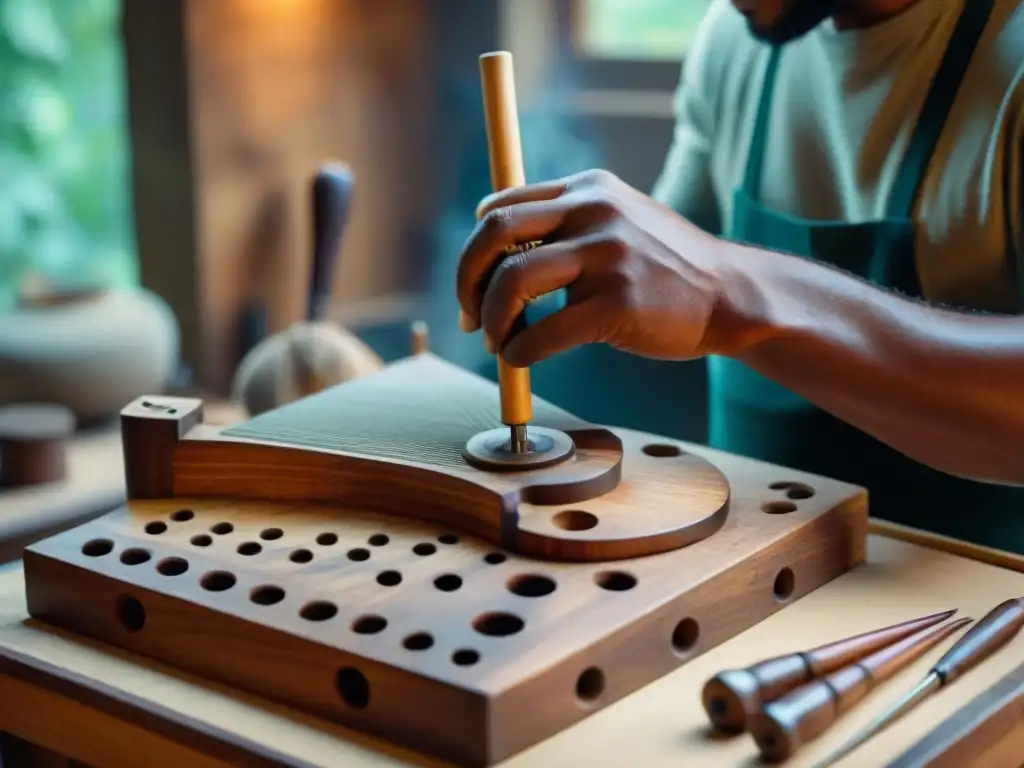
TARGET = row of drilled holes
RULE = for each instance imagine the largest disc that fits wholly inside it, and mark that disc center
(494, 624)
(301, 555)
(354, 688)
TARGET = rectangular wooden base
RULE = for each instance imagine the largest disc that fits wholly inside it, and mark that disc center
(435, 641)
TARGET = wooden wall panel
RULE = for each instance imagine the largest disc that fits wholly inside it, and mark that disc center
(233, 104)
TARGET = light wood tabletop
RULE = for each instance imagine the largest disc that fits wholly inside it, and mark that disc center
(108, 708)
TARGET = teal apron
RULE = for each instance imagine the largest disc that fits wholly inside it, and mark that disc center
(753, 416)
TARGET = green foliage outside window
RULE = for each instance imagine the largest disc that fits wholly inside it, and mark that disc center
(639, 29)
(64, 175)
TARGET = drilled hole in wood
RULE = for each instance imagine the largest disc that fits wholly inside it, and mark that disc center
(448, 538)
(615, 581)
(369, 625)
(662, 450)
(156, 527)
(327, 539)
(424, 548)
(531, 585)
(318, 610)
(766, 741)
(574, 520)
(448, 582)
(181, 515)
(271, 534)
(419, 641)
(267, 594)
(249, 548)
(172, 566)
(685, 636)
(590, 685)
(778, 507)
(465, 657)
(97, 547)
(201, 540)
(378, 540)
(785, 583)
(359, 554)
(222, 529)
(495, 558)
(130, 613)
(217, 581)
(301, 556)
(353, 687)
(795, 491)
(389, 578)
(498, 624)
(135, 556)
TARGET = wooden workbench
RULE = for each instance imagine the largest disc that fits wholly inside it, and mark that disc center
(110, 709)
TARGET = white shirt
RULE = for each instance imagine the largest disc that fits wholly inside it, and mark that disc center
(845, 105)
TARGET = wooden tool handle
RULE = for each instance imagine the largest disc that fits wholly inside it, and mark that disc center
(331, 200)
(732, 696)
(419, 337)
(784, 725)
(506, 155)
(986, 637)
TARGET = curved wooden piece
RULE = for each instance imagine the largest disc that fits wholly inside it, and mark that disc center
(392, 442)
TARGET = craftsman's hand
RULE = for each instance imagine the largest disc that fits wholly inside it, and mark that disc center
(638, 276)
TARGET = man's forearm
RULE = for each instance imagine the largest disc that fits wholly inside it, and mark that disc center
(943, 387)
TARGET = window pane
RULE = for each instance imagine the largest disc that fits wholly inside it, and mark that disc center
(638, 29)
(65, 210)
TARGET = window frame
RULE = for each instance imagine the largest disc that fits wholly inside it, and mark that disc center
(591, 73)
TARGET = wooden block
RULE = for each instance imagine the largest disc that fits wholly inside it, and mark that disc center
(336, 555)
(150, 430)
(33, 443)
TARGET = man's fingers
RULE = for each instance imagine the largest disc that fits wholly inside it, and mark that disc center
(531, 193)
(486, 247)
(523, 277)
(574, 326)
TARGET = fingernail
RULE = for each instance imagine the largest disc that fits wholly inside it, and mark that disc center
(489, 344)
(466, 325)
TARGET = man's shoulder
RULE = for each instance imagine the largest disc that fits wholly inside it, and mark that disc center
(723, 32)
(722, 50)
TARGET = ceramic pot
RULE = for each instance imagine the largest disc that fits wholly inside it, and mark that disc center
(93, 350)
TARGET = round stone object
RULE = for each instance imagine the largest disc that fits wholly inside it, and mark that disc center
(492, 450)
(33, 443)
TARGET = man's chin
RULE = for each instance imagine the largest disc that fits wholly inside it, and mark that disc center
(796, 22)
(775, 34)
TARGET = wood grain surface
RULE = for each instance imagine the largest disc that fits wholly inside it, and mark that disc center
(421, 634)
(393, 441)
(661, 726)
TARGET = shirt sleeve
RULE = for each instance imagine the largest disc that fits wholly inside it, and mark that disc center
(685, 183)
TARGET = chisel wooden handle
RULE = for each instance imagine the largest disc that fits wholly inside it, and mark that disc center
(732, 696)
(995, 630)
(331, 199)
(805, 713)
(506, 155)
